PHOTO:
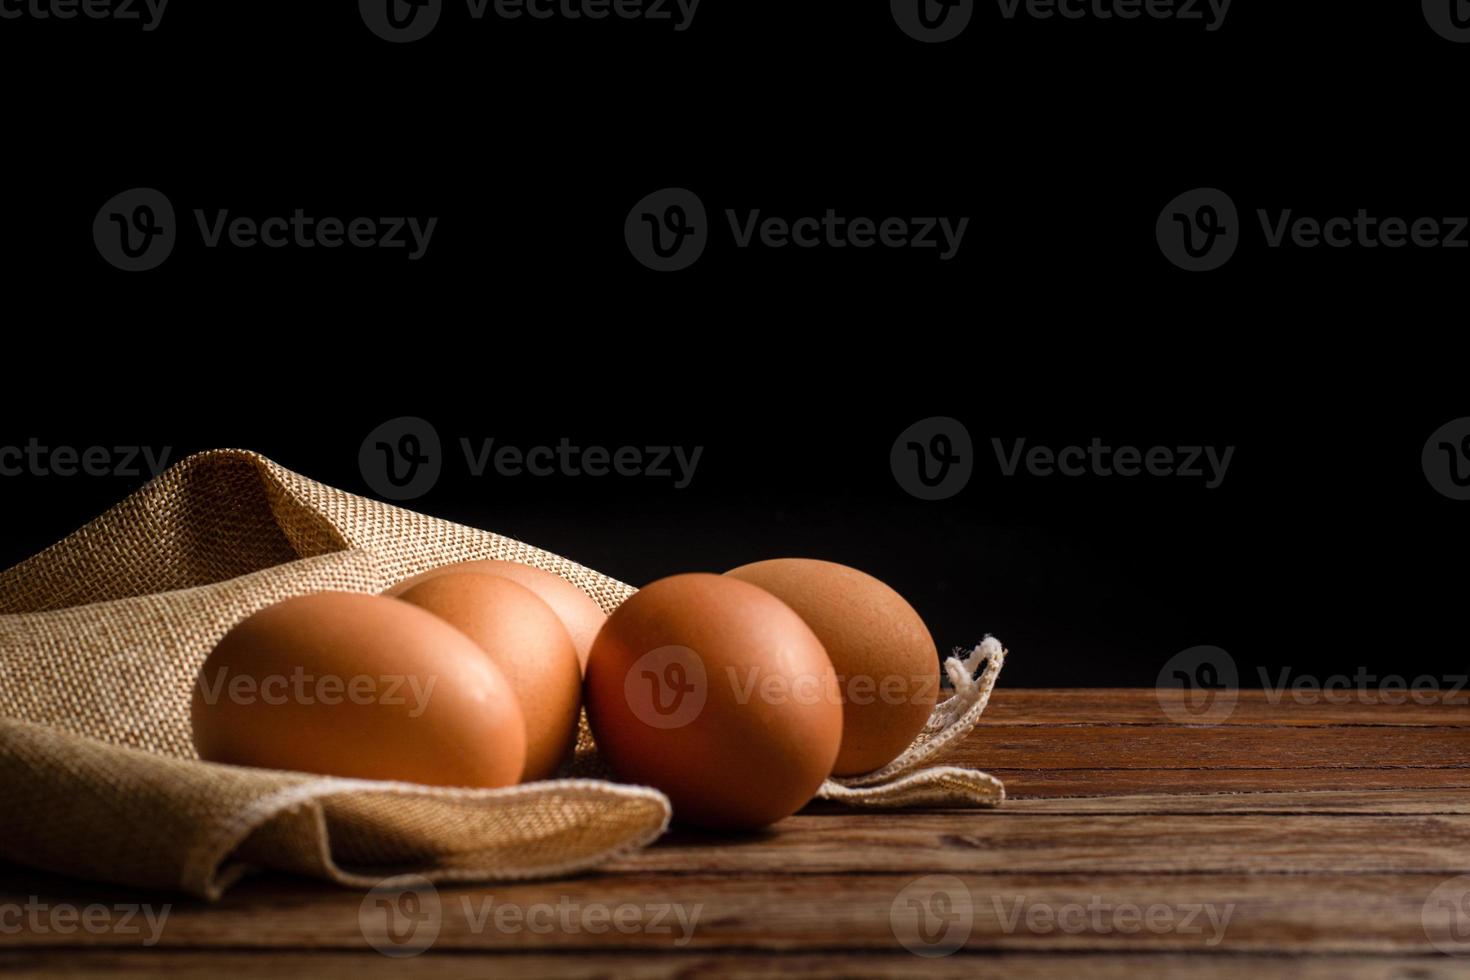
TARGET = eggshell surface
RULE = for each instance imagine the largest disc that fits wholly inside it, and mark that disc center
(883, 654)
(579, 613)
(528, 643)
(358, 686)
(715, 692)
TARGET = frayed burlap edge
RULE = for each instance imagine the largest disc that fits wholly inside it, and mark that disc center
(333, 539)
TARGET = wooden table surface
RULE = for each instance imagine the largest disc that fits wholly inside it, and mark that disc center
(1301, 840)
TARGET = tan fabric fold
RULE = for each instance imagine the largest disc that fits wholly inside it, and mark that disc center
(102, 636)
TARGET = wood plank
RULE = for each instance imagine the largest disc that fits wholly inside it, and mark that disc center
(186, 965)
(1072, 839)
(1057, 747)
(994, 841)
(1043, 784)
(1381, 803)
(1378, 914)
(1142, 706)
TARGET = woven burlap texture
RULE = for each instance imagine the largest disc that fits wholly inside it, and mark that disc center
(101, 638)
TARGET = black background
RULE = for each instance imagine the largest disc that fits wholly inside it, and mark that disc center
(1324, 550)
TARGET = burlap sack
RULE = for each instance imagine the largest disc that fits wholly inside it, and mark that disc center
(102, 635)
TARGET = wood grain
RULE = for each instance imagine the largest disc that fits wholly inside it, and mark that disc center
(1097, 843)
(1145, 706)
(1039, 783)
(1208, 914)
(1059, 747)
(1322, 828)
(189, 964)
(1387, 802)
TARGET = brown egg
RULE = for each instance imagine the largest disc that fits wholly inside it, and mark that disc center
(579, 613)
(885, 658)
(716, 693)
(360, 686)
(528, 643)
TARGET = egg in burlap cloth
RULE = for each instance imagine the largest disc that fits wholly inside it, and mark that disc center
(101, 637)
